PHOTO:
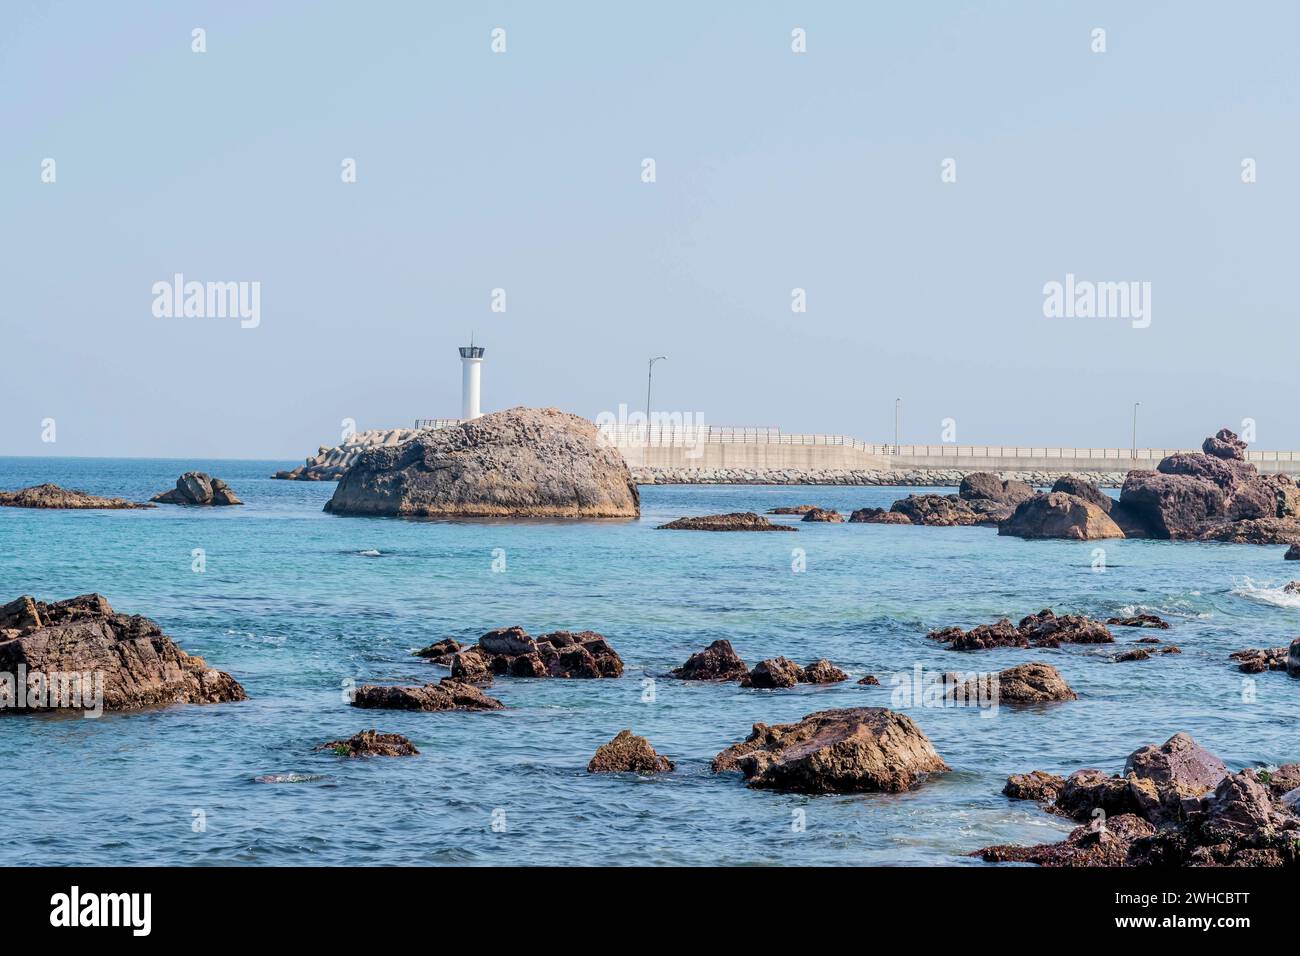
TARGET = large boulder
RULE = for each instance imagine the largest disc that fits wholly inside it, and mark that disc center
(82, 645)
(939, 510)
(1251, 531)
(1178, 761)
(520, 463)
(823, 514)
(719, 661)
(1060, 515)
(198, 488)
(878, 516)
(628, 753)
(52, 496)
(510, 651)
(986, 486)
(781, 672)
(857, 749)
(1044, 629)
(736, 521)
(1225, 444)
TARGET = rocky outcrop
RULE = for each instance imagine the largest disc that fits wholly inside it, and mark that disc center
(1044, 629)
(717, 662)
(1208, 496)
(736, 521)
(447, 694)
(198, 488)
(854, 750)
(794, 510)
(52, 496)
(440, 652)
(1292, 553)
(1254, 660)
(944, 511)
(1174, 805)
(1144, 653)
(871, 680)
(371, 743)
(628, 753)
(823, 514)
(1059, 515)
(781, 672)
(1035, 683)
(1139, 620)
(878, 516)
(520, 463)
(1083, 488)
(125, 658)
(511, 651)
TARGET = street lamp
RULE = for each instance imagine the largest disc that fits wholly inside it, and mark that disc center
(1135, 430)
(649, 376)
(897, 403)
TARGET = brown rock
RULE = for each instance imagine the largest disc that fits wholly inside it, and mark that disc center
(869, 681)
(858, 749)
(1250, 531)
(628, 753)
(938, 510)
(796, 510)
(1139, 620)
(77, 643)
(1225, 444)
(371, 743)
(772, 673)
(878, 516)
(440, 652)
(1242, 810)
(1179, 760)
(1044, 629)
(1085, 490)
(823, 514)
(524, 462)
(52, 496)
(511, 652)
(736, 521)
(718, 661)
(1034, 683)
(1107, 842)
(1292, 553)
(1257, 660)
(1040, 786)
(1058, 515)
(823, 671)
(447, 694)
(986, 486)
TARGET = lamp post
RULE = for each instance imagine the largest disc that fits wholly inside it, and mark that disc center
(1135, 430)
(897, 403)
(649, 377)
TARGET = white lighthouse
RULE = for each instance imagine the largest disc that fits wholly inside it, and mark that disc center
(471, 362)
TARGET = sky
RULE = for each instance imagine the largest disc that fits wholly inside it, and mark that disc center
(523, 170)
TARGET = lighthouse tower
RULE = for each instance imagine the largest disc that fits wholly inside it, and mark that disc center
(471, 362)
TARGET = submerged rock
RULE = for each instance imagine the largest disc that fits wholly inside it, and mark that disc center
(736, 521)
(717, 662)
(447, 694)
(198, 488)
(52, 496)
(1139, 620)
(796, 510)
(520, 463)
(628, 753)
(371, 743)
(1145, 653)
(1059, 515)
(871, 680)
(440, 652)
(857, 749)
(1044, 629)
(510, 651)
(127, 658)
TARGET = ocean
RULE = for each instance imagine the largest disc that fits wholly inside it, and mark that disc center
(296, 604)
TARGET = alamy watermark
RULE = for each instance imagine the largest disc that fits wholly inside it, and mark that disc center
(179, 299)
(1084, 299)
(53, 690)
(917, 688)
(661, 429)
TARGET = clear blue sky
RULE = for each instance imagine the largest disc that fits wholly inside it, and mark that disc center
(522, 170)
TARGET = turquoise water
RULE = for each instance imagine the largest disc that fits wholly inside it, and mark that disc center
(293, 603)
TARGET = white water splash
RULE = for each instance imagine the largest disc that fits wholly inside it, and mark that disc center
(372, 553)
(1275, 596)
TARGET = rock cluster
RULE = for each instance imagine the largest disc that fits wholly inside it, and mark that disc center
(878, 516)
(779, 672)
(198, 488)
(138, 664)
(823, 514)
(905, 478)
(511, 651)
(520, 463)
(1044, 629)
(52, 496)
(371, 743)
(1174, 805)
(447, 694)
(628, 753)
(852, 750)
(736, 521)
(329, 464)
(1257, 660)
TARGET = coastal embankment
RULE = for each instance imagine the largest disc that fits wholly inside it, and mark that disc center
(909, 477)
